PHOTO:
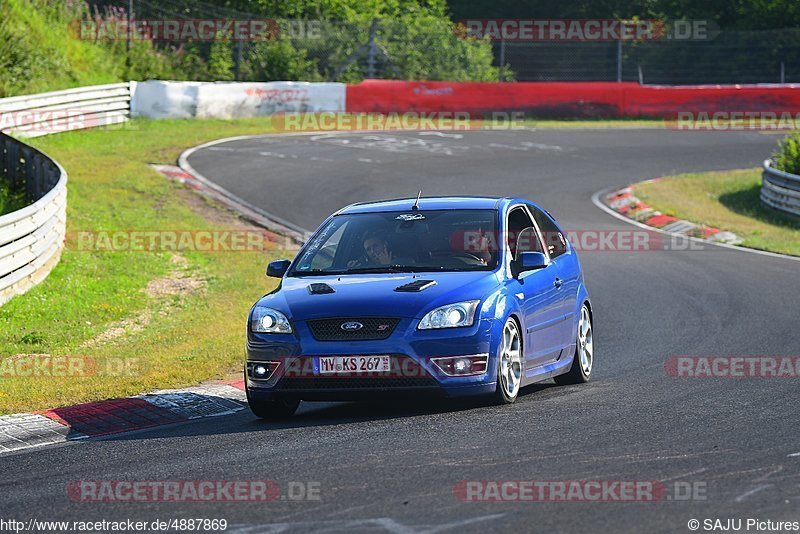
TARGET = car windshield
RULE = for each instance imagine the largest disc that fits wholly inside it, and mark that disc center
(409, 241)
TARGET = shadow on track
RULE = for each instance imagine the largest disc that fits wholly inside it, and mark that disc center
(315, 414)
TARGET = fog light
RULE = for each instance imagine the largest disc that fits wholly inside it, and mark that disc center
(462, 365)
(261, 370)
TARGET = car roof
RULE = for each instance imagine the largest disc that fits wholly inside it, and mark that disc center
(425, 203)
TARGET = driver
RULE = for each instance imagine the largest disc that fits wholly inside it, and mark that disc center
(377, 251)
(377, 248)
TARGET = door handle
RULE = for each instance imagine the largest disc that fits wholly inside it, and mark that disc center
(557, 282)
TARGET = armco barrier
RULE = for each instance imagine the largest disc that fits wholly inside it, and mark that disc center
(780, 190)
(576, 99)
(30, 238)
(72, 109)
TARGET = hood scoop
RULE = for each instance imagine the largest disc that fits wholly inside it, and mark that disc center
(320, 289)
(416, 286)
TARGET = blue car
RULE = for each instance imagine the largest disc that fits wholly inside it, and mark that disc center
(441, 296)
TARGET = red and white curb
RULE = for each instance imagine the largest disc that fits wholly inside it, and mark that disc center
(625, 202)
(102, 418)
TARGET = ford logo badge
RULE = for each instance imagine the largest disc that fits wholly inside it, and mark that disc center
(352, 326)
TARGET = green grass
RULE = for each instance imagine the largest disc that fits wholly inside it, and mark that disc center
(189, 339)
(728, 200)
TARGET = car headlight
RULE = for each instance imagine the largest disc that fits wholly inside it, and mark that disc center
(269, 321)
(450, 316)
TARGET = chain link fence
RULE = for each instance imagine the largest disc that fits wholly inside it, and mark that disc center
(732, 57)
(434, 49)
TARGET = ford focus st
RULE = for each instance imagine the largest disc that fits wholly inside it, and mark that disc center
(438, 296)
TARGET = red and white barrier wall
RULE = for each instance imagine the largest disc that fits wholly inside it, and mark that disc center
(226, 100)
(560, 99)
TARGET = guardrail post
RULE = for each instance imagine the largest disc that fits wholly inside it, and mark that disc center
(13, 163)
(31, 187)
(4, 174)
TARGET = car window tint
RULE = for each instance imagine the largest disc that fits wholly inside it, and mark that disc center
(518, 222)
(553, 237)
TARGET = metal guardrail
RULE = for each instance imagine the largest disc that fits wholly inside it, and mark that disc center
(31, 239)
(60, 111)
(780, 190)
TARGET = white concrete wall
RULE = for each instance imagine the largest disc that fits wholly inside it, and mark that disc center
(226, 100)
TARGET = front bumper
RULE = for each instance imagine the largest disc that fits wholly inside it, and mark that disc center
(413, 373)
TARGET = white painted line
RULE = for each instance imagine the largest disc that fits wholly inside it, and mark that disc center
(753, 491)
(597, 202)
(508, 147)
(794, 454)
(541, 146)
(378, 524)
(24, 431)
(278, 224)
(442, 134)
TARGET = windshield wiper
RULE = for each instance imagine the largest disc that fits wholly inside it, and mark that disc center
(316, 272)
(388, 269)
(358, 270)
(410, 269)
(382, 269)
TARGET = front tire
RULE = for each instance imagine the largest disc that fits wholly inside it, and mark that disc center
(582, 362)
(273, 409)
(509, 364)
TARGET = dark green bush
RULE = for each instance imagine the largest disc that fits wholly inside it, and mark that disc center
(787, 157)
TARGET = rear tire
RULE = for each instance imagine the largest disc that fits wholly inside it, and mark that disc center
(583, 361)
(509, 364)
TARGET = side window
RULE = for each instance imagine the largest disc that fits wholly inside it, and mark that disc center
(322, 255)
(553, 237)
(520, 233)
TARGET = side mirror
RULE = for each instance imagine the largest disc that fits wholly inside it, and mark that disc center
(531, 261)
(278, 268)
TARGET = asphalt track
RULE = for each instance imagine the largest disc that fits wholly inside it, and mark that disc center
(393, 468)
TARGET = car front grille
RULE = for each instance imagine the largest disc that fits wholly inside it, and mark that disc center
(371, 328)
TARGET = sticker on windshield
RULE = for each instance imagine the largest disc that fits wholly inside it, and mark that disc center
(410, 217)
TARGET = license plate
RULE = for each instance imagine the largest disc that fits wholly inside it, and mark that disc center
(353, 364)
